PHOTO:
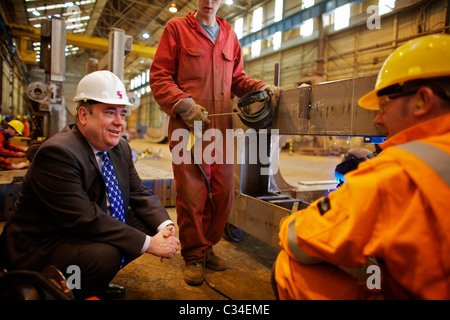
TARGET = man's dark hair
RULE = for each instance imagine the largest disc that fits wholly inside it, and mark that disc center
(87, 104)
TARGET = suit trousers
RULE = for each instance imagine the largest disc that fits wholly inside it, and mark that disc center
(99, 262)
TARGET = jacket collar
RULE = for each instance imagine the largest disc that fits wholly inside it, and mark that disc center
(193, 23)
(114, 154)
(430, 128)
(86, 145)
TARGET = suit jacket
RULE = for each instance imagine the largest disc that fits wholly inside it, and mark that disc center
(64, 194)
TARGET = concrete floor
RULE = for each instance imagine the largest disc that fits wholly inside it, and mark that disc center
(247, 276)
(249, 262)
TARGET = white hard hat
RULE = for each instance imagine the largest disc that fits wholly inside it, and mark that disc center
(102, 86)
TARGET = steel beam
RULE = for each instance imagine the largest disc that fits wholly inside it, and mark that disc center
(80, 40)
(329, 109)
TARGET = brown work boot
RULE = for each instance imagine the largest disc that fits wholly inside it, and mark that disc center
(214, 262)
(194, 273)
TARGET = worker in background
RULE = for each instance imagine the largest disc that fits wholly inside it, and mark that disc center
(385, 233)
(8, 150)
(26, 126)
(3, 122)
(196, 68)
(66, 213)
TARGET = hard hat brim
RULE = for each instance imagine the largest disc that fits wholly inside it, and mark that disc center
(106, 101)
(369, 101)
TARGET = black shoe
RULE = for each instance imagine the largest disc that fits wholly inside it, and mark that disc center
(113, 291)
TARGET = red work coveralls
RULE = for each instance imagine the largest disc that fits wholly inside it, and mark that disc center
(7, 150)
(394, 207)
(188, 65)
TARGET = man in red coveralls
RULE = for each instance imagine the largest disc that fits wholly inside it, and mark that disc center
(7, 150)
(196, 68)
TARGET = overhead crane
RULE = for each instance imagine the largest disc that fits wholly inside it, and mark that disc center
(30, 33)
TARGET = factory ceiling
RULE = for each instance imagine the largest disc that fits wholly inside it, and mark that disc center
(89, 23)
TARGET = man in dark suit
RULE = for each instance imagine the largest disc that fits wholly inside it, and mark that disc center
(62, 214)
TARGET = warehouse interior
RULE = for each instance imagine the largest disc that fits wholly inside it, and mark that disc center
(335, 46)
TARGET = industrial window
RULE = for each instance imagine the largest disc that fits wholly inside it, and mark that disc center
(256, 48)
(257, 25)
(326, 19)
(239, 27)
(257, 19)
(342, 17)
(385, 6)
(278, 10)
(277, 40)
(307, 3)
(307, 27)
(137, 82)
(278, 16)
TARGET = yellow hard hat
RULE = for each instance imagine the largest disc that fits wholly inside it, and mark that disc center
(421, 58)
(16, 125)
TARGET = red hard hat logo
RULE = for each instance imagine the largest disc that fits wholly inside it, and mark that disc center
(119, 94)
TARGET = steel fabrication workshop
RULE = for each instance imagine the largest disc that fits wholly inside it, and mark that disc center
(213, 150)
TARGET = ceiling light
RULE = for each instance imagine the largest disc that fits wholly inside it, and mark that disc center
(173, 7)
(36, 13)
(145, 35)
(228, 2)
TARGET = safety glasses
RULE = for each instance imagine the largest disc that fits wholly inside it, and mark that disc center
(384, 100)
(397, 91)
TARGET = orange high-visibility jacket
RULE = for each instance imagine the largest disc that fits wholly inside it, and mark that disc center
(395, 207)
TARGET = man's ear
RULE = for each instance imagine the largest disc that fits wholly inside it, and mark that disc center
(425, 97)
(82, 115)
